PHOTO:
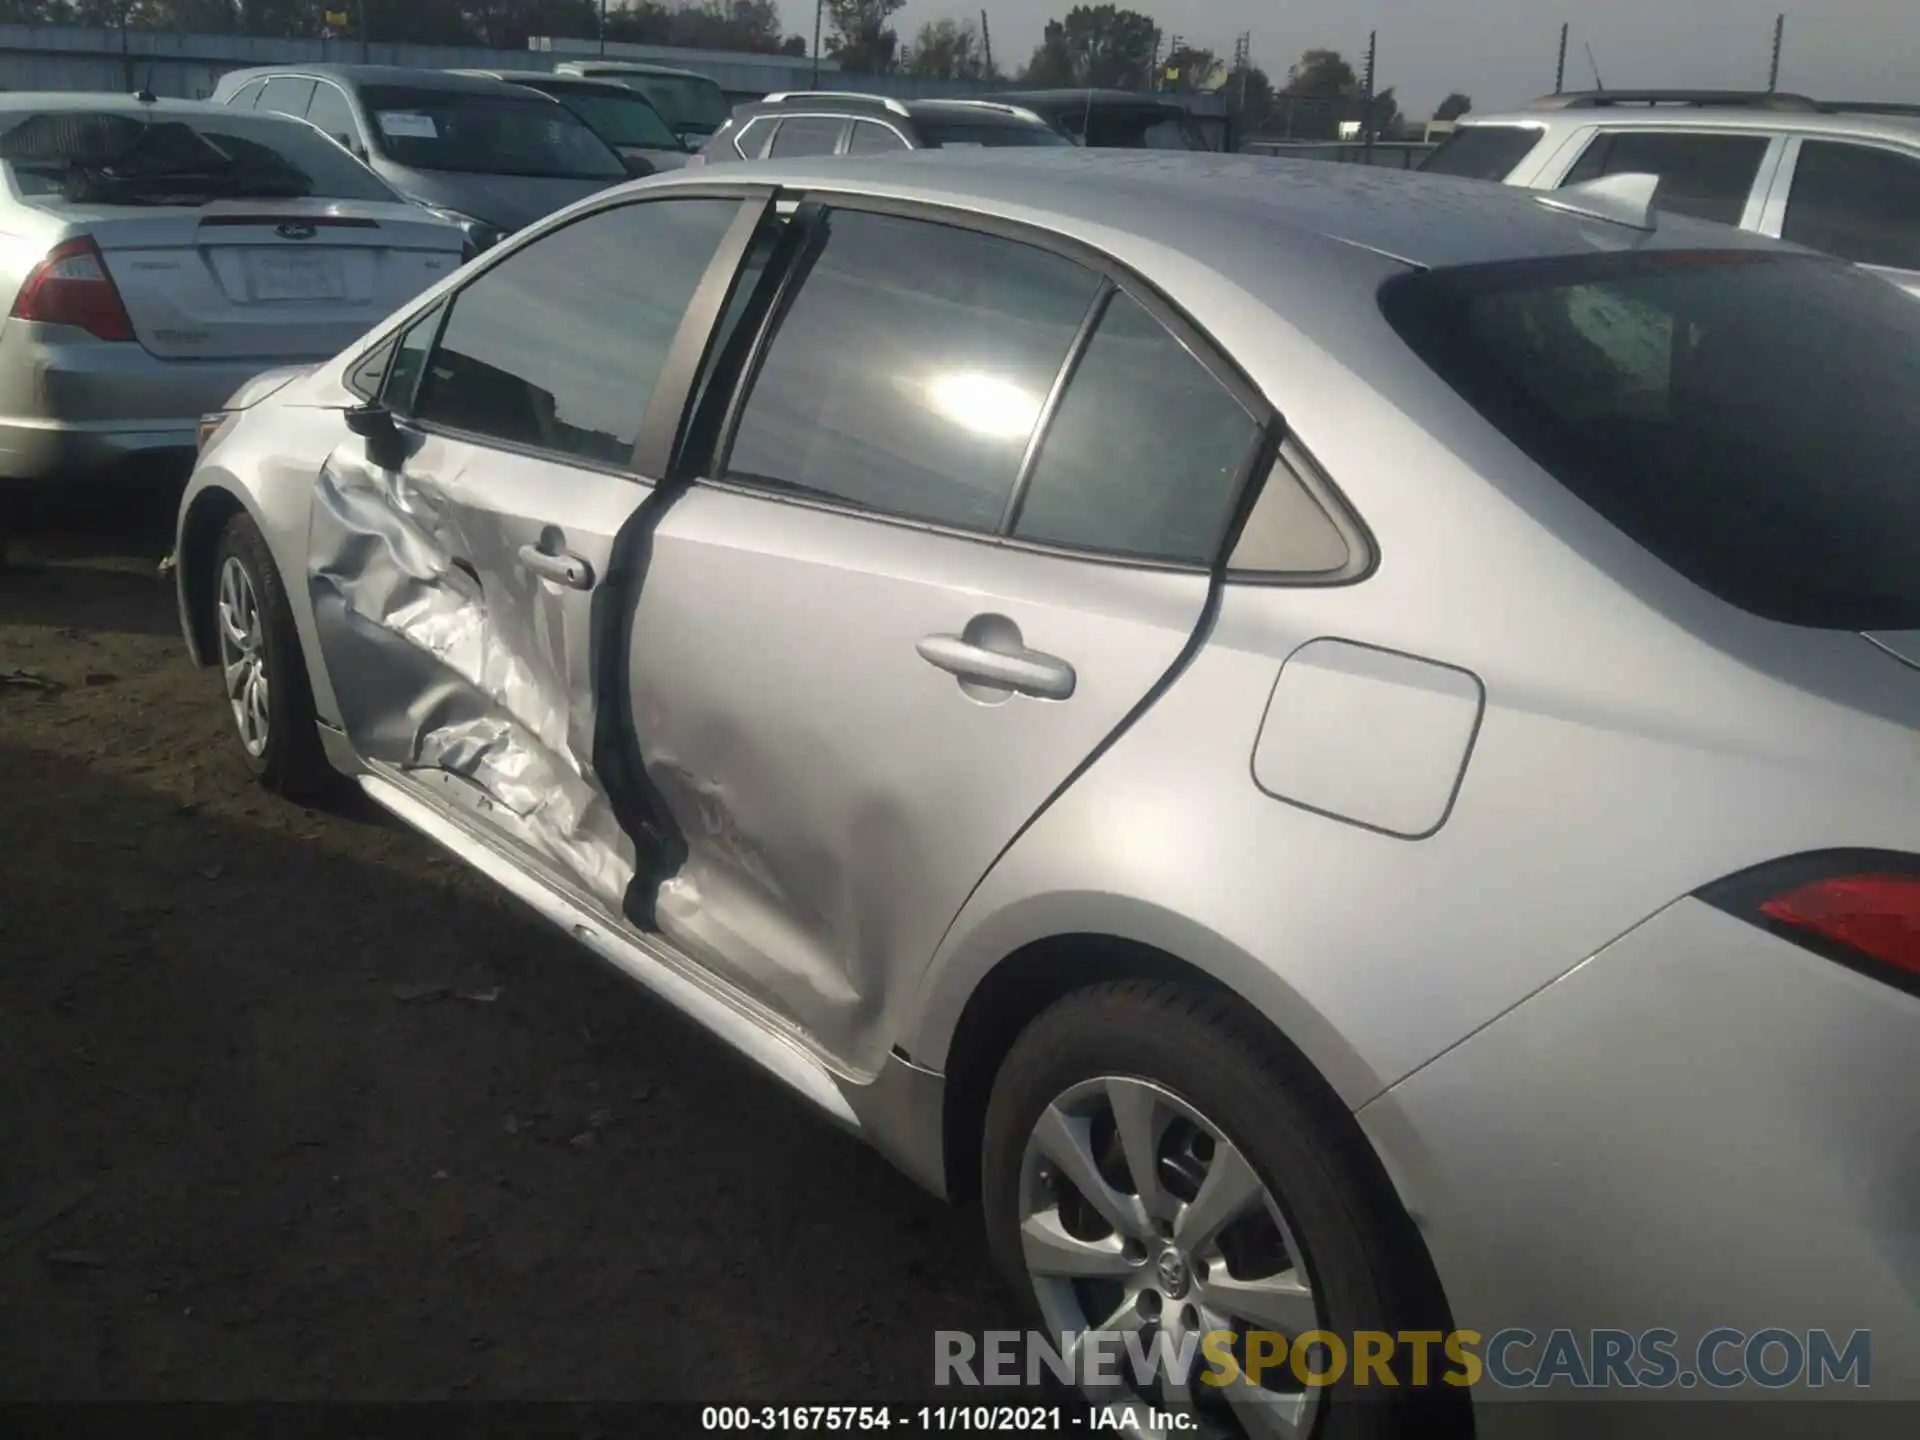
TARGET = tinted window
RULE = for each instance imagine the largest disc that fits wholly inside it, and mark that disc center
(1708, 176)
(230, 155)
(1856, 202)
(619, 116)
(402, 379)
(689, 102)
(1145, 453)
(752, 139)
(247, 95)
(911, 368)
(1748, 418)
(807, 135)
(559, 345)
(478, 132)
(954, 134)
(286, 95)
(1483, 152)
(871, 139)
(331, 113)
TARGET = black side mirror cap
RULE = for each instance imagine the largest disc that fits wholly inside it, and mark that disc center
(370, 421)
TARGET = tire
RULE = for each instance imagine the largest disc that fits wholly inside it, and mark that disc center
(277, 735)
(1184, 1064)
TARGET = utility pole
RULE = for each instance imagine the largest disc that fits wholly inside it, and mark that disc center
(1366, 122)
(1560, 69)
(1779, 35)
(1174, 47)
(819, 13)
(1243, 62)
(603, 29)
(986, 44)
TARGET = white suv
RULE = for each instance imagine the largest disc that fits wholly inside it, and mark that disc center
(1843, 178)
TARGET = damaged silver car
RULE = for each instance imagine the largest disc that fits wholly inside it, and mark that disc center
(1276, 724)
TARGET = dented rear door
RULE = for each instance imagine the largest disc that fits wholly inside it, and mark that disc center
(461, 569)
(853, 683)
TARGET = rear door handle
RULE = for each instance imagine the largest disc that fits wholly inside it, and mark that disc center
(1025, 672)
(559, 566)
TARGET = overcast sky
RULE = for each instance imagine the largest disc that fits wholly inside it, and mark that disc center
(1502, 51)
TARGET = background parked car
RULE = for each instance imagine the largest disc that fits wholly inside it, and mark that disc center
(693, 104)
(160, 253)
(619, 114)
(1122, 120)
(832, 122)
(1838, 177)
(491, 156)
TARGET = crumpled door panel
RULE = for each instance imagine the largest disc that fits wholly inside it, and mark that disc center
(452, 661)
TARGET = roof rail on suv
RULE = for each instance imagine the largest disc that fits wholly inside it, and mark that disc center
(1715, 99)
(1868, 107)
(886, 102)
(1000, 107)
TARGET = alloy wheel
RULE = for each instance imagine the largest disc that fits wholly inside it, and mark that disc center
(243, 655)
(1138, 1214)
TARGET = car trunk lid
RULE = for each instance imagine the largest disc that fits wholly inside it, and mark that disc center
(273, 280)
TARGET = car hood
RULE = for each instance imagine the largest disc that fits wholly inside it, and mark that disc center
(506, 201)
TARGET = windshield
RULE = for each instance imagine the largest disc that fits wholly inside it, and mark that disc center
(481, 134)
(689, 102)
(1747, 416)
(620, 118)
(171, 158)
(956, 134)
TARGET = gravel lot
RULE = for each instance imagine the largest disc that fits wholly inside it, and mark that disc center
(292, 1107)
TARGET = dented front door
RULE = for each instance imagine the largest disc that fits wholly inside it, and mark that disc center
(454, 599)
(464, 567)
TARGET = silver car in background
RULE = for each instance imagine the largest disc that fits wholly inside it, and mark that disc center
(160, 253)
(1337, 747)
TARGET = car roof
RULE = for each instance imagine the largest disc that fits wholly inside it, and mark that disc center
(46, 101)
(1903, 129)
(1236, 213)
(982, 111)
(532, 78)
(356, 75)
(639, 67)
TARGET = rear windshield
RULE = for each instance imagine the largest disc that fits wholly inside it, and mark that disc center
(478, 133)
(958, 133)
(619, 117)
(1482, 152)
(174, 157)
(1749, 417)
(688, 102)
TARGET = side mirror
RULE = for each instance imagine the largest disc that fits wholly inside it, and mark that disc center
(375, 424)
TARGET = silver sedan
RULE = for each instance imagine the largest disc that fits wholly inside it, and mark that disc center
(158, 253)
(1336, 747)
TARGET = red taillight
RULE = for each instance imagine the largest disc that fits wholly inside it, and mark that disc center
(72, 287)
(1878, 915)
(1859, 907)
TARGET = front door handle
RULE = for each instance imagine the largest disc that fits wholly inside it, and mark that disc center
(1023, 671)
(558, 566)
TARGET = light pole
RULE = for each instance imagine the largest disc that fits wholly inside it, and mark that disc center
(819, 14)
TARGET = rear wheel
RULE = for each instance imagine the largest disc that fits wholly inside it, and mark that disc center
(262, 672)
(1155, 1163)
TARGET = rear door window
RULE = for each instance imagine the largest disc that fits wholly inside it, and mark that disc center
(911, 370)
(1145, 454)
(1707, 176)
(1748, 416)
(286, 95)
(1483, 152)
(558, 346)
(332, 115)
(1859, 202)
(807, 135)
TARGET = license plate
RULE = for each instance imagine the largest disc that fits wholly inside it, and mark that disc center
(274, 276)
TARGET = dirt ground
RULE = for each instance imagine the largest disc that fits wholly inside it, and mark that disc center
(292, 1107)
